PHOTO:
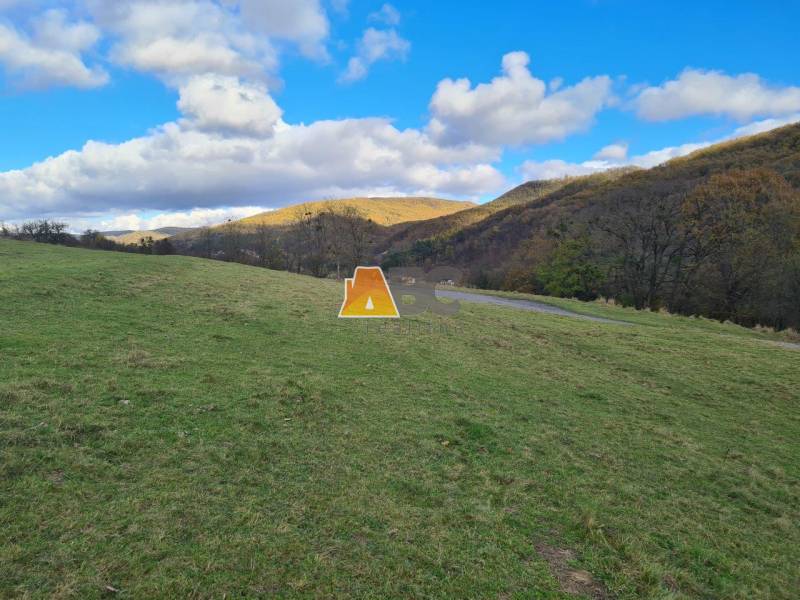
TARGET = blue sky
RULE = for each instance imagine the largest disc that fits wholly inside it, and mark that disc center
(207, 109)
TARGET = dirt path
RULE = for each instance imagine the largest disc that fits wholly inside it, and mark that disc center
(531, 305)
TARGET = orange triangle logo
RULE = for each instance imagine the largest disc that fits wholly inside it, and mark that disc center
(367, 295)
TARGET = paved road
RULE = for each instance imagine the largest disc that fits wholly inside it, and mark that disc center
(790, 345)
(554, 310)
(521, 304)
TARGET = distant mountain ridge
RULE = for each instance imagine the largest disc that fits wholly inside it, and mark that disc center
(130, 236)
(168, 231)
(384, 211)
(134, 237)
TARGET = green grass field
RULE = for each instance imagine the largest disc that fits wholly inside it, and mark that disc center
(174, 427)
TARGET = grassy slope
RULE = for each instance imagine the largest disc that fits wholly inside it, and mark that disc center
(177, 427)
(383, 211)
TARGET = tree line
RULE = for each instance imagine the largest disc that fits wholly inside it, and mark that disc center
(728, 248)
(55, 232)
(327, 243)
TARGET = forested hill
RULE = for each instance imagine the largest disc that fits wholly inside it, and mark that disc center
(714, 233)
(403, 236)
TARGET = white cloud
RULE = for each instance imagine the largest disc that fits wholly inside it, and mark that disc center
(765, 125)
(375, 45)
(52, 30)
(388, 15)
(171, 56)
(614, 152)
(117, 223)
(177, 168)
(514, 108)
(225, 104)
(230, 147)
(176, 39)
(197, 217)
(301, 21)
(657, 157)
(605, 159)
(52, 54)
(556, 169)
(698, 92)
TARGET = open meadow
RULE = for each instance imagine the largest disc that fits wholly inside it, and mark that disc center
(177, 427)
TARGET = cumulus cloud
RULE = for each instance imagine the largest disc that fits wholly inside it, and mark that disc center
(182, 168)
(207, 52)
(176, 39)
(225, 104)
(52, 54)
(698, 92)
(657, 157)
(615, 155)
(231, 146)
(301, 21)
(765, 125)
(617, 152)
(515, 108)
(556, 169)
(198, 217)
(375, 45)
